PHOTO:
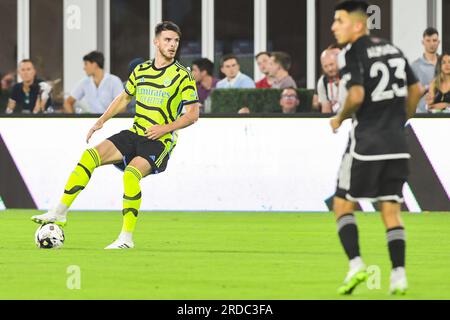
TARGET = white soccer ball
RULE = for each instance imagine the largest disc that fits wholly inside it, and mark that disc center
(49, 236)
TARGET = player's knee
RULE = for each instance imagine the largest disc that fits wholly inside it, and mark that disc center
(91, 159)
(342, 206)
(131, 174)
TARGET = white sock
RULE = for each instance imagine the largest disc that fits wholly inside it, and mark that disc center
(61, 210)
(399, 272)
(126, 236)
(356, 263)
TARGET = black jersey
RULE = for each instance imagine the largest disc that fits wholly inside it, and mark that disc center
(378, 130)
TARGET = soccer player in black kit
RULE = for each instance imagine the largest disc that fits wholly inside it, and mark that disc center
(381, 94)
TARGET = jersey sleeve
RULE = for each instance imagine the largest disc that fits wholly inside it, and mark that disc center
(188, 90)
(351, 69)
(130, 86)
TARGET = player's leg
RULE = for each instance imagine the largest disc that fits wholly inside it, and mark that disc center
(394, 177)
(103, 154)
(134, 172)
(348, 234)
(396, 241)
(352, 182)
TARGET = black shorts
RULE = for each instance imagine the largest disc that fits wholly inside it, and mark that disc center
(132, 145)
(372, 180)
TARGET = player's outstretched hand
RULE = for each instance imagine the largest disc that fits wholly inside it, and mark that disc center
(155, 132)
(335, 123)
(97, 126)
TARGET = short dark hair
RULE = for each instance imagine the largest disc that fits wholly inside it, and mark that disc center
(204, 64)
(289, 88)
(352, 6)
(430, 31)
(283, 59)
(227, 57)
(26, 61)
(262, 54)
(97, 57)
(167, 26)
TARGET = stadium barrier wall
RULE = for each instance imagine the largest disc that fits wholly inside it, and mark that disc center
(220, 164)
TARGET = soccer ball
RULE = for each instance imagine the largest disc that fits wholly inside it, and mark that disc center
(49, 236)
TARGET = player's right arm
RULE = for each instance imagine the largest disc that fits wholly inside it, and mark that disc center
(353, 102)
(118, 105)
(352, 77)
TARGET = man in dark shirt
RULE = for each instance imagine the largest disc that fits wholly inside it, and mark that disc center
(202, 71)
(380, 92)
(26, 96)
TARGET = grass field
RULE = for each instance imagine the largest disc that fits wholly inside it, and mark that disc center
(216, 256)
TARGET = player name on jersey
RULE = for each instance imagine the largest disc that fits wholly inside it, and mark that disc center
(379, 51)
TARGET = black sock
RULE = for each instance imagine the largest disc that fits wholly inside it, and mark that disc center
(397, 246)
(348, 233)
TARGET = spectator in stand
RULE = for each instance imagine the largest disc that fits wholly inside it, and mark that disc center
(424, 67)
(6, 86)
(98, 88)
(32, 94)
(131, 108)
(234, 78)
(278, 68)
(202, 71)
(262, 59)
(438, 98)
(289, 102)
(328, 84)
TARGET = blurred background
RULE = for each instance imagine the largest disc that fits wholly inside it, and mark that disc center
(56, 34)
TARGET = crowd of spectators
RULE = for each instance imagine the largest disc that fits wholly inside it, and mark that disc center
(96, 91)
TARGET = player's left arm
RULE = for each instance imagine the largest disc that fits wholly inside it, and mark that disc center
(353, 102)
(187, 119)
(415, 91)
(189, 96)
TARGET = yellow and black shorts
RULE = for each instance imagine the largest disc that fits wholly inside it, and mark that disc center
(132, 145)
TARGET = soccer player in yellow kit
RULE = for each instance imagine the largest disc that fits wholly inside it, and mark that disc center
(162, 87)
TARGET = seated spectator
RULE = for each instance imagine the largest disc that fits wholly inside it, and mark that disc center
(262, 59)
(424, 67)
(31, 95)
(98, 88)
(328, 84)
(234, 78)
(289, 102)
(278, 69)
(131, 108)
(6, 86)
(202, 71)
(438, 98)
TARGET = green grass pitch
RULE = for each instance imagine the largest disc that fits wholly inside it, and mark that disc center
(216, 256)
